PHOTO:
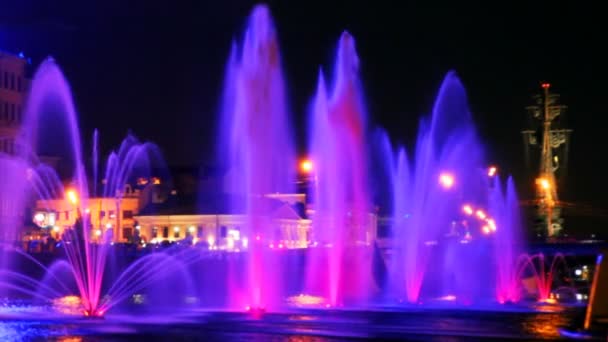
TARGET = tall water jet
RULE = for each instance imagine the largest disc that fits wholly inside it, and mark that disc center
(95, 161)
(341, 200)
(507, 244)
(429, 190)
(259, 150)
(50, 88)
(50, 95)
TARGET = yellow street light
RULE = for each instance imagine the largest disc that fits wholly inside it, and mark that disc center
(492, 170)
(306, 166)
(72, 196)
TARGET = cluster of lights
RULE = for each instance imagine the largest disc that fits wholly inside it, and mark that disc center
(489, 225)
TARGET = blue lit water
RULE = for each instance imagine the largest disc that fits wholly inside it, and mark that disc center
(304, 325)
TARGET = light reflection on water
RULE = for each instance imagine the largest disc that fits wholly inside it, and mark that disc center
(545, 326)
(303, 327)
(17, 331)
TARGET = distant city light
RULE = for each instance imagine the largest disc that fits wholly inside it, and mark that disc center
(467, 209)
(480, 214)
(492, 171)
(72, 196)
(491, 224)
(485, 230)
(39, 217)
(306, 166)
(446, 180)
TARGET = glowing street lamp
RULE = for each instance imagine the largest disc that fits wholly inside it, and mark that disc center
(306, 166)
(492, 170)
(446, 180)
(72, 196)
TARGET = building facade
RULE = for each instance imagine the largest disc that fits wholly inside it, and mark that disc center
(109, 219)
(13, 90)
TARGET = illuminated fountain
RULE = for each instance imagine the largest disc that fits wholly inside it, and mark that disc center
(507, 242)
(543, 275)
(86, 251)
(256, 147)
(454, 225)
(454, 233)
(340, 270)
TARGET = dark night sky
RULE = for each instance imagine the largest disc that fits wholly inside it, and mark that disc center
(132, 64)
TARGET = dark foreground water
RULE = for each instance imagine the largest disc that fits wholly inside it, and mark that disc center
(304, 326)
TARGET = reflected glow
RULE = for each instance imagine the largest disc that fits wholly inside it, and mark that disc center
(304, 300)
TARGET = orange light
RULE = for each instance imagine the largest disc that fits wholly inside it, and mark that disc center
(492, 171)
(480, 214)
(72, 196)
(446, 180)
(306, 166)
(543, 183)
(485, 230)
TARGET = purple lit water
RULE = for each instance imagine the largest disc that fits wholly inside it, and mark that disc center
(455, 230)
(340, 269)
(50, 100)
(257, 148)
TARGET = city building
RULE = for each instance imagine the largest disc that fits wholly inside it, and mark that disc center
(109, 218)
(13, 90)
(215, 221)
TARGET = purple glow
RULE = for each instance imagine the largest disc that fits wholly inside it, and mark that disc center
(86, 257)
(341, 200)
(259, 151)
(454, 230)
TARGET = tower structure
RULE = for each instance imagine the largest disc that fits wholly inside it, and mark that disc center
(554, 142)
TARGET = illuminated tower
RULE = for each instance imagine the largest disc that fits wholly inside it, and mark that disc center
(553, 143)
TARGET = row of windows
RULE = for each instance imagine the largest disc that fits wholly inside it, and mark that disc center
(8, 80)
(126, 214)
(10, 112)
(176, 232)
